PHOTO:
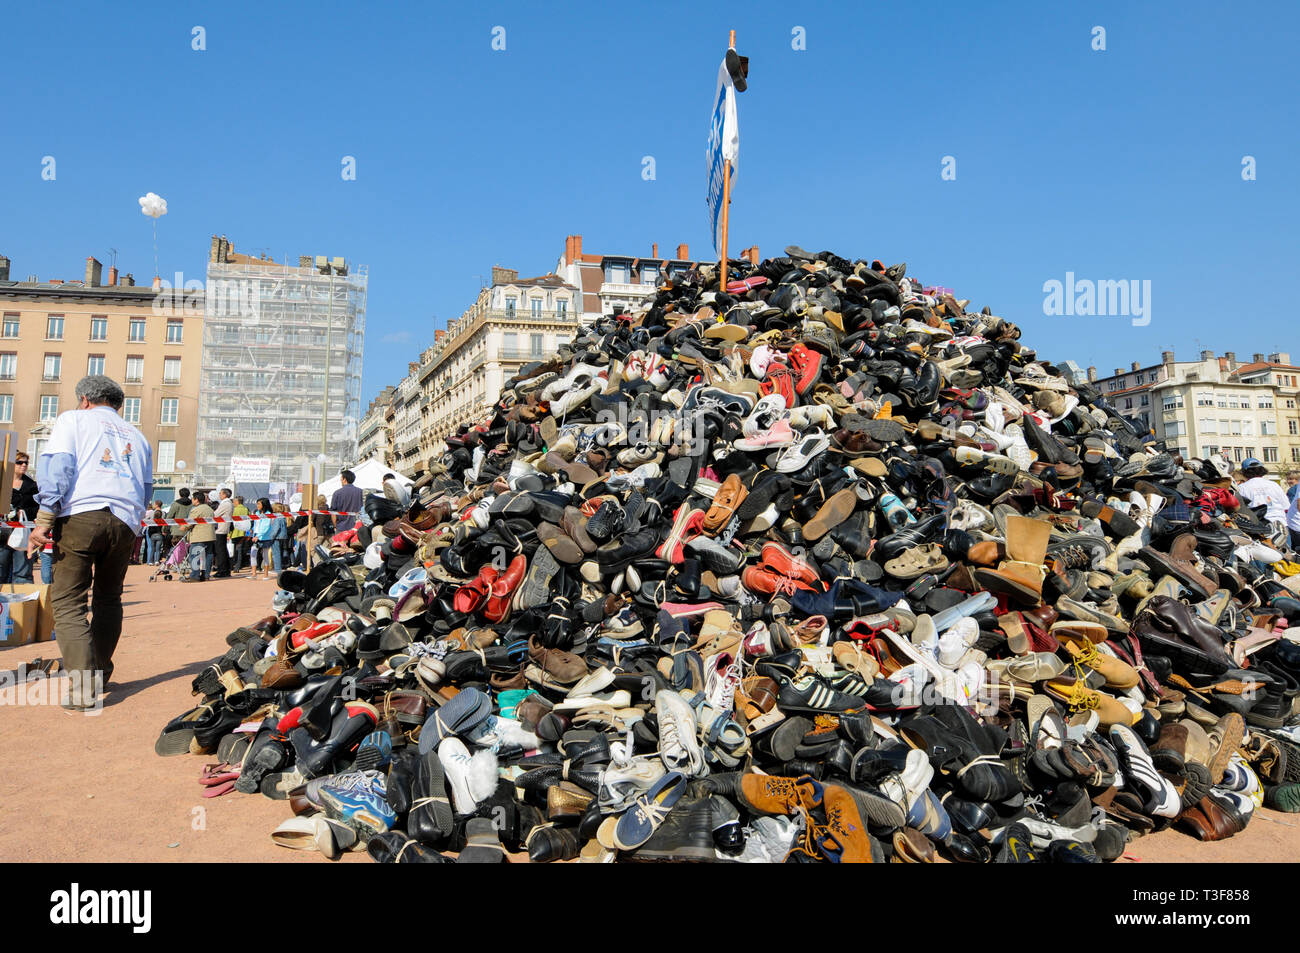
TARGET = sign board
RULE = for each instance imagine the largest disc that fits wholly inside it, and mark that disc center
(250, 469)
(724, 144)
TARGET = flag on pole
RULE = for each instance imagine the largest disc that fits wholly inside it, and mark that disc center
(724, 144)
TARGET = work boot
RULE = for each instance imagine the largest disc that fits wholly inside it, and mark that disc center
(1020, 576)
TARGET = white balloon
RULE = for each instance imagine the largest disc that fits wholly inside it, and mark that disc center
(153, 205)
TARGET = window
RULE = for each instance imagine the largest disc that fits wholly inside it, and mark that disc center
(1204, 399)
(1209, 425)
(166, 462)
(9, 368)
(172, 370)
(170, 410)
(1267, 428)
(1270, 454)
(1290, 403)
(134, 369)
(95, 364)
(1232, 402)
(510, 345)
(1290, 424)
(11, 326)
(54, 327)
(511, 302)
(175, 331)
(1236, 428)
(649, 274)
(535, 304)
(49, 406)
(1172, 402)
(1266, 402)
(1211, 450)
(1222, 401)
(131, 410)
(6, 408)
(53, 367)
(1128, 403)
(537, 345)
(137, 330)
(1250, 451)
(98, 328)
(616, 273)
(562, 308)
(1295, 454)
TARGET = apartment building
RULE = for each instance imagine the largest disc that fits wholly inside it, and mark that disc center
(374, 438)
(512, 322)
(282, 354)
(54, 332)
(1208, 406)
(1285, 377)
(622, 281)
(406, 421)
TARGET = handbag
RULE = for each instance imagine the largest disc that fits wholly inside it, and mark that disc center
(18, 538)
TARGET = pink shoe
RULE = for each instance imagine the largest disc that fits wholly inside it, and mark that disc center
(777, 435)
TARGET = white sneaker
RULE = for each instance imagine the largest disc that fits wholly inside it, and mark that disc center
(678, 745)
(954, 643)
(906, 786)
(455, 759)
(1161, 796)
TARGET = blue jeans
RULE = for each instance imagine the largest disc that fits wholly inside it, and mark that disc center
(153, 549)
(15, 566)
(47, 567)
(271, 548)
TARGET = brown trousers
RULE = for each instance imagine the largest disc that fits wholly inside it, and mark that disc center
(89, 549)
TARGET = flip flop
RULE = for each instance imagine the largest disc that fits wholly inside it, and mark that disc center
(225, 787)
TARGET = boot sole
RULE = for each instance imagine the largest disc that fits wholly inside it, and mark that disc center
(833, 512)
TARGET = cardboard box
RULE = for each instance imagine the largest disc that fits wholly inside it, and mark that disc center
(24, 617)
(35, 619)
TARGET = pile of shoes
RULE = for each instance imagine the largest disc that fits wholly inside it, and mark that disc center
(822, 568)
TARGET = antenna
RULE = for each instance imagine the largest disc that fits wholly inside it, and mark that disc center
(112, 261)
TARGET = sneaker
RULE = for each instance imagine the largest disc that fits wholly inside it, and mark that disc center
(678, 746)
(363, 807)
(1160, 796)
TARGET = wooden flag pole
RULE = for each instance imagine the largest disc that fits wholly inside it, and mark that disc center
(726, 197)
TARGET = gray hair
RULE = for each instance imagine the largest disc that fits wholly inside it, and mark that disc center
(101, 389)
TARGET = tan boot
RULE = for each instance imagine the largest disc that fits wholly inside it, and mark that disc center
(1021, 574)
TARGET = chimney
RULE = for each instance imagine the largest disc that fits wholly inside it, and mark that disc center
(157, 283)
(4, 268)
(1135, 366)
(1119, 371)
(1231, 357)
(753, 255)
(94, 272)
(1166, 357)
(112, 276)
(1281, 357)
(304, 261)
(1207, 355)
(438, 336)
(504, 276)
(654, 251)
(214, 253)
(1092, 374)
(683, 252)
(128, 280)
(1258, 358)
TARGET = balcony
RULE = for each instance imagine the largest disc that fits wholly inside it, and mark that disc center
(627, 290)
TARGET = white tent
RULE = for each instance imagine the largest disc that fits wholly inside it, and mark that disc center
(370, 476)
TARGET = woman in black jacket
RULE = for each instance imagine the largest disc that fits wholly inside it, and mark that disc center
(15, 566)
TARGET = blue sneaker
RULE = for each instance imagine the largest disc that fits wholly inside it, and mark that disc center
(374, 752)
(363, 807)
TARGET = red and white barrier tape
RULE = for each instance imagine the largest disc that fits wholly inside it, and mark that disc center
(216, 519)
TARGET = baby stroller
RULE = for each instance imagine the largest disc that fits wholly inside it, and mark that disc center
(175, 563)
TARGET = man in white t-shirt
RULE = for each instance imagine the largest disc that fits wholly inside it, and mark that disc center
(1259, 490)
(95, 474)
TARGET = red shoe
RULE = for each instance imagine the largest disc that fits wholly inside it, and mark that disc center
(498, 603)
(778, 381)
(471, 595)
(312, 632)
(767, 581)
(807, 367)
(785, 563)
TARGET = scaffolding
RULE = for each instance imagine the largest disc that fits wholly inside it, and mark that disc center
(281, 366)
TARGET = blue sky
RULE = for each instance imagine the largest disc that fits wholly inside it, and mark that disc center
(1117, 164)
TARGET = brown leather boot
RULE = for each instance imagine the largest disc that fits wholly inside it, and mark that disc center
(767, 794)
(1021, 574)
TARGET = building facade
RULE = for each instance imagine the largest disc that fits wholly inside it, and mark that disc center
(512, 322)
(53, 333)
(1215, 405)
(282, 354)
(406, 421)
(374, 438)
(622, 281)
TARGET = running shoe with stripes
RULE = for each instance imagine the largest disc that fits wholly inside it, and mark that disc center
(811, 694)
(1162, 797)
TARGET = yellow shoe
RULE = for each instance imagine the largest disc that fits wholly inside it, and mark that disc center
(1118, 674)
(1110, 711)
(1286, 567)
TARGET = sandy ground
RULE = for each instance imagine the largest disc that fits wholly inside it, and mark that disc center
(91, 789)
